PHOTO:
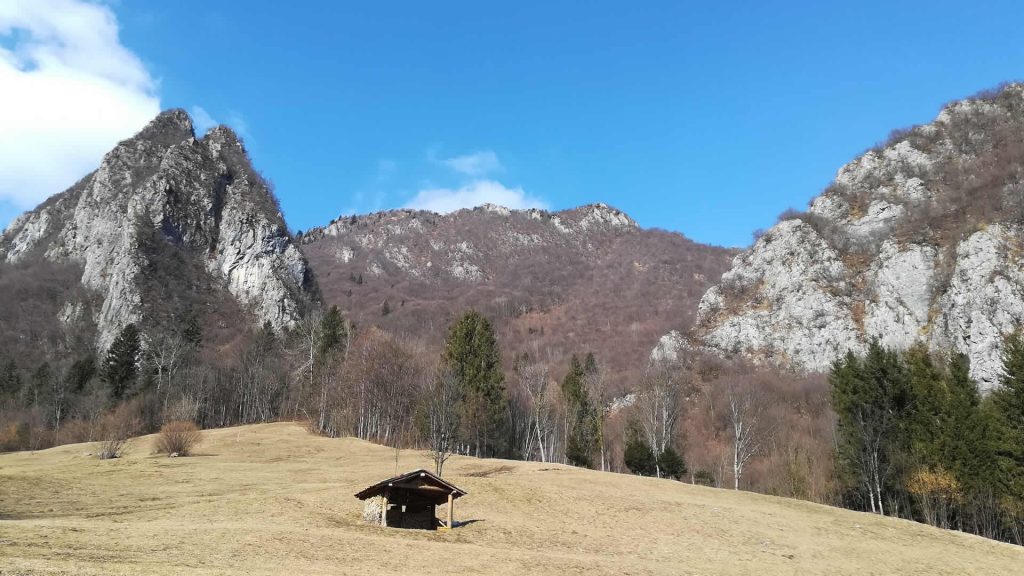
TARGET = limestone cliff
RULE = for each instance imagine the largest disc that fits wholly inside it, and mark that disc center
(919, 239)
(169, 221)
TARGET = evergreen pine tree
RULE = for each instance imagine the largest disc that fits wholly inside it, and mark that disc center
(926, 421)
(10, 381)
(335, 332)
(471, 353)
(671, 463)
(1008, 405)
(847, 394)
(192, 331)
(582, 434)
(121, 364)
(267, 339)
(81, 372)
(590, 364)
(39, 385)
(871, 398)
(638, 456)
(967, 445)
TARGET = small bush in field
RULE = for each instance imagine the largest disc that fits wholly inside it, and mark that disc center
(117, 430)
(178, 437)
(113, 448)
(15, 436)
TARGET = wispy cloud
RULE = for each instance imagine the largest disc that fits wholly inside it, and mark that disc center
(476, 193)
(239, 124)
(201, 119)
(476, 164)
(71, 91)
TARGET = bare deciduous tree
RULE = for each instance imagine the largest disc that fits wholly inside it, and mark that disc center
(596, 384)
(443, 417)
(166, 353)
(381, 382)
(745, 426)
(533, 379)
(659, 403)
(309, 334)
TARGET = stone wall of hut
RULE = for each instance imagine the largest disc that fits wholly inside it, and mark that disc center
(372, 508)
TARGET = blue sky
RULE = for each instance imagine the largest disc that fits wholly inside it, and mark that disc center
(708, 118)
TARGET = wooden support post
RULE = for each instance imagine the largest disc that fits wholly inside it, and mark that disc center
(384, 511)
(451, 513)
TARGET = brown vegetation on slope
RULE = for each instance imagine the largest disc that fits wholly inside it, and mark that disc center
(554, 284)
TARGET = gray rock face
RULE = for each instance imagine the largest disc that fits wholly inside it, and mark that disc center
(917, 240)
(165, 191)
(393, 240)
(985, 299)
(802, 314)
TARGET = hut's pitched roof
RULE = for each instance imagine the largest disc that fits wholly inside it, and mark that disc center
(418, 480)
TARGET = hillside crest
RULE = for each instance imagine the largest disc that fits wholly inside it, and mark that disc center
(919, 239)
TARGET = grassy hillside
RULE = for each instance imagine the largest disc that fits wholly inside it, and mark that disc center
(272, 499)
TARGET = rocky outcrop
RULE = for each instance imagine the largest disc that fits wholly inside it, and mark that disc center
(158, 199)
(554, 283)
(463, 245)
(916, 240)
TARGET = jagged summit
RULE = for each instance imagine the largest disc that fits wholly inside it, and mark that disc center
(919, 239)
(164, 205)
(582, 218)
(168, 128)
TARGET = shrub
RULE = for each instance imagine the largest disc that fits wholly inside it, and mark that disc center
(15, 436)
(117, 431)
(704, 478)
(671, 463)
(791, 214)
(639, 457)
(178, 437)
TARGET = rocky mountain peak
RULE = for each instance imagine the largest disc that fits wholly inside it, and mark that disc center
(918, 239)
(168, 128)
(163, 204)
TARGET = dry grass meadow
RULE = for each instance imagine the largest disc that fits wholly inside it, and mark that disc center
(273, 499)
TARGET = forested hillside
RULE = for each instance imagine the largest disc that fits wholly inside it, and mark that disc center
(554, 284)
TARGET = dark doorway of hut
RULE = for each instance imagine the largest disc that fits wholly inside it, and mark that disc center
(410, 500)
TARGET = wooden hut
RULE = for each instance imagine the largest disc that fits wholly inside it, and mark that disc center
(410, 500)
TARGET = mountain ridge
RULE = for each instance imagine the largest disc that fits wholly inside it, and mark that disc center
(555, 283)
(916, 240)
(196, 201)
(170, 225)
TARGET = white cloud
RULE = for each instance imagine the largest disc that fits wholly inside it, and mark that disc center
(475, 164)
(239, 124)
(477, 193)
(69, 91)
(201, 119)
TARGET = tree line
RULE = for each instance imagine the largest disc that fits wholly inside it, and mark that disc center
(898, 433)
(916, 440)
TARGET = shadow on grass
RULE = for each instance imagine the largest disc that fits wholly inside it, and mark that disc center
(167, 457)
